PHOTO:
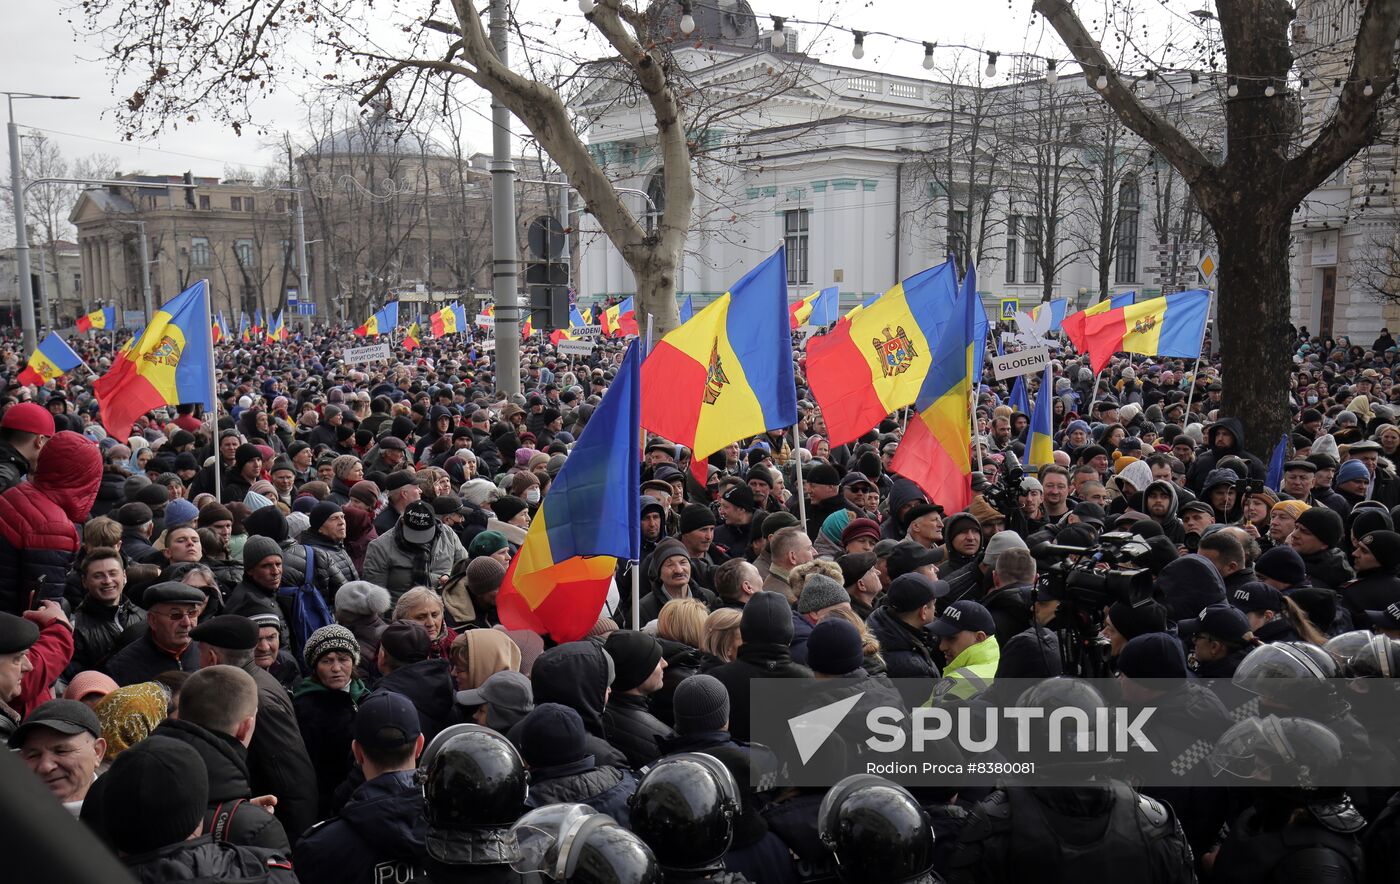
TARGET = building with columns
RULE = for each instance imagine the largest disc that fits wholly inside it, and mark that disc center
(867, 177)
(57, 272)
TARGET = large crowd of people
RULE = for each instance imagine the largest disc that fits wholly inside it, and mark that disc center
(263, 643)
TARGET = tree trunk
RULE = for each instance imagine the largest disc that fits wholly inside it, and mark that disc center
(654, 267)
(1254, 269)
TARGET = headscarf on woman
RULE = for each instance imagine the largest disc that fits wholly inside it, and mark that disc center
(129, 714)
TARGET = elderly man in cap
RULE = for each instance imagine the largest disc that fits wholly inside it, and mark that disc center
(262, 577)
(326, 535)
(61, 742)
(669, 570)
(34, 649)
(378, 836)
(403, 658)
(24, 430)
(278, 763)
(822, 486)
(172, 610)
(901, 625)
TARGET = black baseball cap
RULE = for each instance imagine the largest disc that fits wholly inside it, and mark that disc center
(65, 716)
(1255, 596)
(910, 555)
(386, 721)
(963, 616)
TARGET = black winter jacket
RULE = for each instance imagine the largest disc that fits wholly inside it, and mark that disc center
(95, 630)
(908, 652)
(605, 789)
(227, 762)
(204, 860)
(13, 467)
(326, 720)
(277, 759)
(1328, 568)
(338, 562)
(754, 660)
(379, 836)
(575, 674)
(631, 728)
(1370, 591)
(428, 685)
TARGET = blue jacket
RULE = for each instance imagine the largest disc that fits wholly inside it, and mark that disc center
(605, 789)
(379, 836)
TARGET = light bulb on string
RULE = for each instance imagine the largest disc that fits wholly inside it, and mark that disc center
(858, 50)
(1149, 84)
(928, 56)
(1102, 82)
(779, 38)
(1195, 85)
(687, 20)
(1368, 90)
(1269, 90)
(1052, 76)
(586, 6)
(991, 70)
(1234, 89)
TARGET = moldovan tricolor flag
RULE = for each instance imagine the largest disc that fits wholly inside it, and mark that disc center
(589, 519)
(820, 309)
(876, 362)
(52, 359)
(411, 340)
(105, 317)
(727, 373)
(383, 322)
(171, 363)
(1040, 449)
(1170, 326)
(619, 319)
(445, 321)
(936, 449)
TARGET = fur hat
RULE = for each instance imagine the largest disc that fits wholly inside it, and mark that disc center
(361, 598)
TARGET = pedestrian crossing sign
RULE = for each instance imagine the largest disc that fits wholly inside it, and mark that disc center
(1009, 308)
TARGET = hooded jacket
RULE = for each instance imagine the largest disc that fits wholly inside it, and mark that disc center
(429, 687)
(1329, 568)
(1171, 525)
(577, 675)
(632, 728)
(380, 835)
(902, 492)
(227, 762)
(38, 521)
(1206, 460)
(1189, 584)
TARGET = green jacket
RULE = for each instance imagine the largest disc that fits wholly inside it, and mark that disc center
(969, 673)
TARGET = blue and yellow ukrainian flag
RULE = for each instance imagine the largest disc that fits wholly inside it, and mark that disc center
(936, 449)
(52, 359)
(557, 584)
(171, 363)
(727, 373)
(1040, 447)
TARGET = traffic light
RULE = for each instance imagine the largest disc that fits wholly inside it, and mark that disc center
(547, 278)
(189, 189)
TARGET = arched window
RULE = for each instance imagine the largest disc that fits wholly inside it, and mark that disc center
(1125, 269)
(656, 192)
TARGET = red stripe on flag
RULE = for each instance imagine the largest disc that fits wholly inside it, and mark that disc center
(672, 387)
(123, 395)
(565, 615)
(840, 379)
(923, 459)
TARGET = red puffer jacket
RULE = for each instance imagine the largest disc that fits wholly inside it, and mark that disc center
(39, 521)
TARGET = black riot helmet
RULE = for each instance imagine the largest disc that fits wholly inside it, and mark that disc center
(876, 831)
(1379, 657)
(473, 779)
(684, 810)
(1345, 645)
(1291, 675)
(574, 844)
(1279, 751)
(1072, 731)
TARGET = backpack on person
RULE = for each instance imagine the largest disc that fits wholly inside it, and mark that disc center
(308, 607)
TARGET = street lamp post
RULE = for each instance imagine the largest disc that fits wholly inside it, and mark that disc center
(26, 285)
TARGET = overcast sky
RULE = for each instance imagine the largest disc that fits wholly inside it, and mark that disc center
(45, 55)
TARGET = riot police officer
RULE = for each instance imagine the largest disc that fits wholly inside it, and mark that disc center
(474, 788)
(575, 844)
(1271, 840)
(1101, 830)
(684, 809)
(877, 833)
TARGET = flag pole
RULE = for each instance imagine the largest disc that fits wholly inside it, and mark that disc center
(213, 395)
(1095, 397)
(637, 565)
(1191, 390)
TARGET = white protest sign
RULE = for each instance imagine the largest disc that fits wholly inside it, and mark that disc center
(1020, 362)
(486, 346)
(371, 353)
(484, 321)
(575, 348)
(586, 331)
